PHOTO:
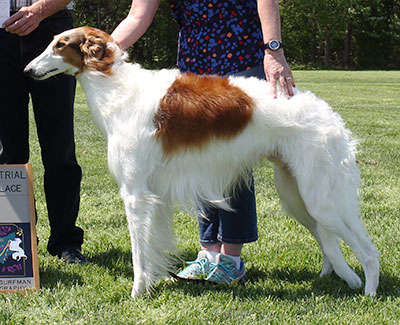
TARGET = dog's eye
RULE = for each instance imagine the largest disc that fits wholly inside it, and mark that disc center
(60, 45)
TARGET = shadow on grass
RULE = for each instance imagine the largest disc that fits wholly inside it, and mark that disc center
(281, 283)
(118, 262)
(53, 275)
(287, 284)
(284, 284)
(254, 288)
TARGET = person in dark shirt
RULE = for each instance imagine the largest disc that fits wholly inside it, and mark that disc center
(23, 36)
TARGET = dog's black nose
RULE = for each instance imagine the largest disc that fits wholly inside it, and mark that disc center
(28, 71)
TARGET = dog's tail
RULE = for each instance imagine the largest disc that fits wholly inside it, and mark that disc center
(319, 151)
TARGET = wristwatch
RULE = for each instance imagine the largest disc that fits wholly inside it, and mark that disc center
(273, 45)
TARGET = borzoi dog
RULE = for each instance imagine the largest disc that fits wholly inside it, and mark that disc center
(188, 139)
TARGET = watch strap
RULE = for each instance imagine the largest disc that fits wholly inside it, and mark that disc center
(269, 45)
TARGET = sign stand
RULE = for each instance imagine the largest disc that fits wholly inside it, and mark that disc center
(19, 269)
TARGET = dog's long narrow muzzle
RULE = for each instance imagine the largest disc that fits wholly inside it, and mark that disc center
(30, 72)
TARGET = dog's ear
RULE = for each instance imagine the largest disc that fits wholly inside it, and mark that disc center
(94, 47)
(96, 54)
(75, 41)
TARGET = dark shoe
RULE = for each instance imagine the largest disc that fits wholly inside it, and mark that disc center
(73, 256)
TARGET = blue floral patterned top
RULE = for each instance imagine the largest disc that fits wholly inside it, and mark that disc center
(218, 36)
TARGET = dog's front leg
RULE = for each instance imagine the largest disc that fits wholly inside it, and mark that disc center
(137, 215)
(150, 227)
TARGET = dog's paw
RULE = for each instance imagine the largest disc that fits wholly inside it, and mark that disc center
(138, 288)
(136, 292)
(354, 282)
(327, 268)
(372, 293)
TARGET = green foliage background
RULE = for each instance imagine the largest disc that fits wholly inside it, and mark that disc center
(156, 49)
(351, 34)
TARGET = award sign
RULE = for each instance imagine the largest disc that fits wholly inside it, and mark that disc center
(4, 11)
(19, 269)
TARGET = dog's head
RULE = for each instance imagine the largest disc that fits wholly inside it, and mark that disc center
(76, 50)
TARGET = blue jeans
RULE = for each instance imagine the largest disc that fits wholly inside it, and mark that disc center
(52, 101)
(236, 227)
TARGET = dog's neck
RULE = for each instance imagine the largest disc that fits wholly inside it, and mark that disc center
(106, 94)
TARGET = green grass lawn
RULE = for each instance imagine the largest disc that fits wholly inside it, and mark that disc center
(283, 286)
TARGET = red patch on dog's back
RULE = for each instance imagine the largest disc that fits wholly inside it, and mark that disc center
(198, 109)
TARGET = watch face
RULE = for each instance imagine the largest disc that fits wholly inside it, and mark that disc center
(274, 45)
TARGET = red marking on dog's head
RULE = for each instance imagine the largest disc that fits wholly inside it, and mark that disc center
(198, 109)
(86, 48)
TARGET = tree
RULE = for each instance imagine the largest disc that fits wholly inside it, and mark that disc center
(157, 48)
(342, 33)
(376, 33)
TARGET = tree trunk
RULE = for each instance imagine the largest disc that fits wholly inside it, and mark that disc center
(348, 45)
(313, 50)
(327, 50)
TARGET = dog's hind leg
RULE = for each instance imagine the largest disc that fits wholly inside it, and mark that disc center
(355, 236)
(151, 237)
(331, 197)
(331, 247)
(292, 203)
(328, 241)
